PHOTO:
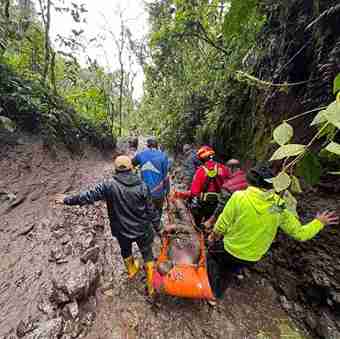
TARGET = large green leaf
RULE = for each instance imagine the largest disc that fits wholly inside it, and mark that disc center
(332, 113)
(333, 147)
(295, 185)
(291, 202)
(283, 133)
(288, 151)
(319, 118)
(309, 168)
(336, 84)
(281, 182)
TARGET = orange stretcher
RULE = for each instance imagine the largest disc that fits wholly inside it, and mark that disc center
(184, 280)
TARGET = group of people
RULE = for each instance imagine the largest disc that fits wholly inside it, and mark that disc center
(240, 212)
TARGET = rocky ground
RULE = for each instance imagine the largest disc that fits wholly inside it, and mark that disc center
(58, 261)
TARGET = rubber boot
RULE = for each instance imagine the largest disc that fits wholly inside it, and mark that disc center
(149, 267)
(132, 266)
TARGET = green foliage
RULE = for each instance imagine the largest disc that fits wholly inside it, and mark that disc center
(288, 151)
(336, 84)
(242, 19)
(73, 101)
(307, 164)
(295, 185)
(283, 133)
(281, 182)
(309, 168)
(195, 48)
(333, 147)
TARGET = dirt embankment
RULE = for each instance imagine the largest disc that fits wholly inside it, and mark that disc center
(57, 260)
(50, 262)
(307, 274)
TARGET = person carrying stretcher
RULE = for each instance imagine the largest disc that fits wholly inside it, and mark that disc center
(248, 226)
(206, 185)
(236, 182)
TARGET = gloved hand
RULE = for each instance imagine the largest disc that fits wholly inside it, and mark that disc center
(209, 223)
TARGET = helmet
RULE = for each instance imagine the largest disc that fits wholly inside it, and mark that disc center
(205, 152)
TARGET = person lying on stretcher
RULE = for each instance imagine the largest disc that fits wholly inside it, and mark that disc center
(184, 243)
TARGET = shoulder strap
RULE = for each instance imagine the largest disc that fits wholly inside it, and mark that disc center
(211, 176)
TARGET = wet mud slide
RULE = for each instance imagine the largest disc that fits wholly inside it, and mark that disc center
(61, 274)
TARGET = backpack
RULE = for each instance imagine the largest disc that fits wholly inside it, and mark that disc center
(211, 176)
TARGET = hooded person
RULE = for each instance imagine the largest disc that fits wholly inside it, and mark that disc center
(248, 225)
(131, 213)
(190, 164)
(236, 182)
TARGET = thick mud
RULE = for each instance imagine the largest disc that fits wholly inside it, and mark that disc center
(62, 275)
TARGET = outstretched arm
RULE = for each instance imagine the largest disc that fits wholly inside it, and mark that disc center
(84, 198)
(292, 226)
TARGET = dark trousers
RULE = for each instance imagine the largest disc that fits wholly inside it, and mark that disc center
(221, 267)
(158, 204)
(144, 245)
(203, 212)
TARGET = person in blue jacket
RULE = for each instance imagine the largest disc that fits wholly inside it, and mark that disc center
(154, 167)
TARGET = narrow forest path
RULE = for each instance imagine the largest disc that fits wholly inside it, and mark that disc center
(57, 261)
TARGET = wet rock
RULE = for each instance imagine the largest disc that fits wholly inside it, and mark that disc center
(46, 307)
(98, 228)
(88, 319)
(286, 305)
(65, 239)
(91, 254)
(327, 328)
(25, 327)
(59, 297)
(45, 222)
(321, 278)
(335, 297)
(75, 282)
(87, 240)
(68, 249)
(298, 308)
(10, 336)
(57, 255)
(26, 229)
(51, 329)
(77, 330)
(59, 233)
(311, 320)
(71, 310)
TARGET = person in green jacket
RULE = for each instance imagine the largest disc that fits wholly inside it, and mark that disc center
(248, 225)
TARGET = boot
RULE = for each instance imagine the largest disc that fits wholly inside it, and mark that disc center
(132, 266)
(149, 266)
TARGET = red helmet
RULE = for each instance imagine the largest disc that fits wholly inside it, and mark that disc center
(205, 152)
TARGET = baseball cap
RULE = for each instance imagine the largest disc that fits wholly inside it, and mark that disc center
(123, 163)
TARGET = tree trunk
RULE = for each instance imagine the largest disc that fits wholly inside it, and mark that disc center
(47, 24)
(121, 98)
(53, 78)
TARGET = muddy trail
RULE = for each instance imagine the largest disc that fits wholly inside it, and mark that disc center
(58, 261)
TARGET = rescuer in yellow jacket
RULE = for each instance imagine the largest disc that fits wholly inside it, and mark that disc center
(249, 223)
